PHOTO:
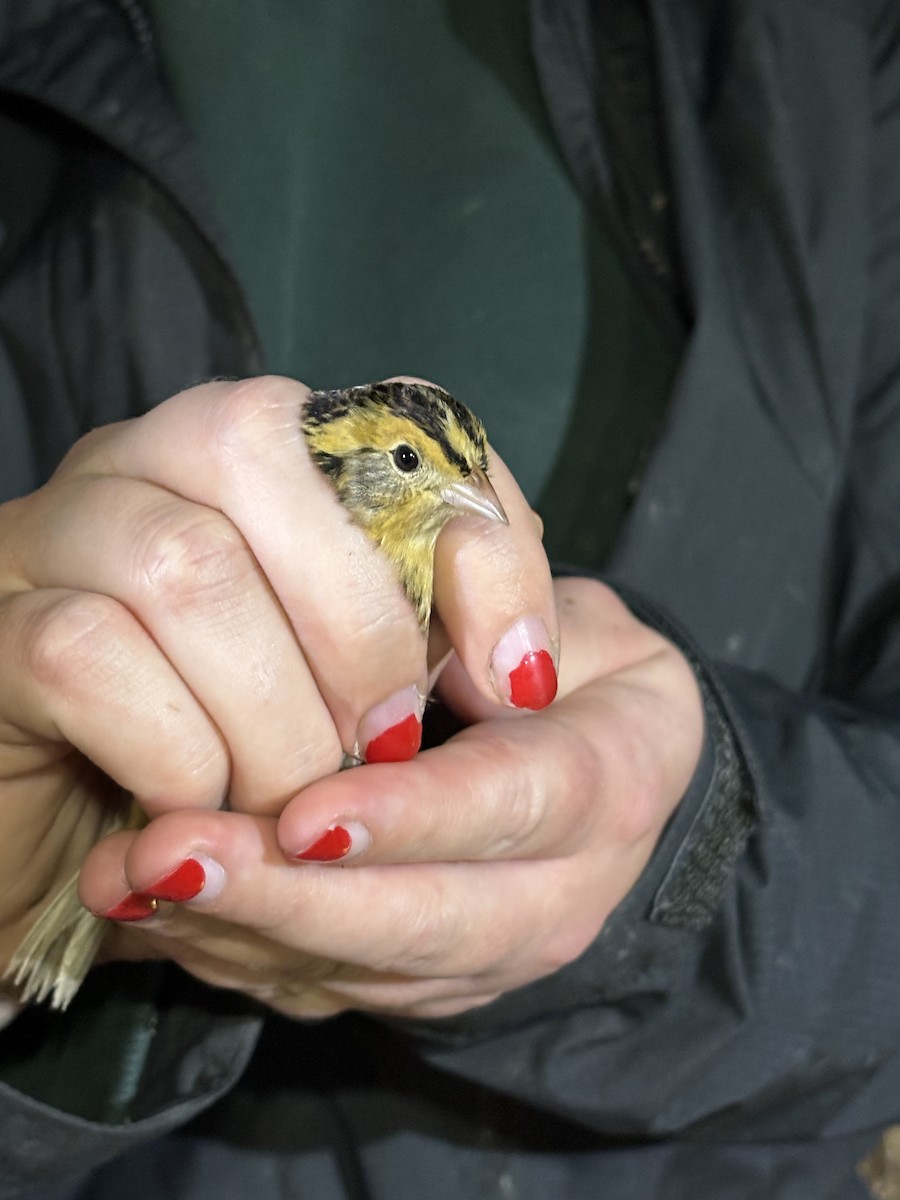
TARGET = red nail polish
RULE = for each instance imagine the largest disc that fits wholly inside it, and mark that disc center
(332, 845)
(136, 906)
(397, 744)
(184, 883)
(533, 682)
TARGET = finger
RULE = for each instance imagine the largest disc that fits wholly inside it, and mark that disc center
(537, 788)
(423, 921)
(594, 623)
(86, 667)
(494, 593)
(486, 794)
(241, 451)
(227, 954)
(189, 577)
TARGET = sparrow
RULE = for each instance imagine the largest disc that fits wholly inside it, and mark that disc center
(403, 458)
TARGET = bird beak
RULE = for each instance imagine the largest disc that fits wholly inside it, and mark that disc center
(476, 495)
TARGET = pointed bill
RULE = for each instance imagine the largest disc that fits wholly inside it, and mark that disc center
(476, 495)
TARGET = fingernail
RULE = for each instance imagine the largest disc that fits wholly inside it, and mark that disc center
(392, 730)
(523, 666)
(135, 907)
(196, 874)
(337, 843)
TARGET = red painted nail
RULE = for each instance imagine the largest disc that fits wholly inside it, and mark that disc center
(533, 682)
(184, 883)
(135, 907)
(332, 845)
(397, 744)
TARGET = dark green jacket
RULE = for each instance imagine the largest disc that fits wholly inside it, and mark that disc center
(734, 1031)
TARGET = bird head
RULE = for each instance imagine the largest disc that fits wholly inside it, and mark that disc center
(404, 459)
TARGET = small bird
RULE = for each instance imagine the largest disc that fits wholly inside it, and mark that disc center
(403, 458)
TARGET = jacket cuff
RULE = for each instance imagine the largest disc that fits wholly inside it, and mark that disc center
(138, 1054)
(715, 819)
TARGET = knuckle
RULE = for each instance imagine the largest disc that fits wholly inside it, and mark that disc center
(66, 641)
(245, 416)
(83, 455)
(579, 761)
(195, 770)
(581, 776)
(525, 808)
(381, 627)
(266, 790)
(540, 808)
(519, 797)
(317, 757)
(185, 556)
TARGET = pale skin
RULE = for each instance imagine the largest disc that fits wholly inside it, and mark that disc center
(186, 606)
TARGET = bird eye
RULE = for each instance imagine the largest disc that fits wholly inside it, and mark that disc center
(405, 458)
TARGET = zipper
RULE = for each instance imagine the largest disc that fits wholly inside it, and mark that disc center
(140, 26)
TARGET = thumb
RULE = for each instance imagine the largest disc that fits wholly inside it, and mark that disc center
(494, 596)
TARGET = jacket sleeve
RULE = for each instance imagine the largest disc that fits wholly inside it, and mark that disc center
(138, 1054)
(748, 987)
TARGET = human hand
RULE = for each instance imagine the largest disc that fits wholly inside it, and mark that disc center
(478, 867)
(186, 610)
